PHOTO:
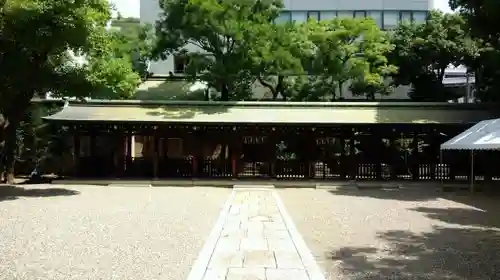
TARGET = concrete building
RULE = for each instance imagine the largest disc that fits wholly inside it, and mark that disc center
(387, 14)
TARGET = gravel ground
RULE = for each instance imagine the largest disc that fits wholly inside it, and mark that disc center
(399, 234)
(95, 232)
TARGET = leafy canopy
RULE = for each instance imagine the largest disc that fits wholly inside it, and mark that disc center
(345, 50)
(276, 53)
(424, 51)
(212, 35)
(482, 17)
(134, 41)
(38, 44)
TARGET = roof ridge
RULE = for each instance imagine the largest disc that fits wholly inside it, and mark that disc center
(276, 104)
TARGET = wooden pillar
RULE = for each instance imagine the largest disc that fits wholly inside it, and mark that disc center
(155, 154)
(128, 157)
(93, 153)
(435, 145)
(310, 141)
(236, 140)
(197, 152)
(343, 162)
(393, 149)
(161, 154)
(378, 139)
(352, 156)
(274, 137)
(76, 155)
(93, 145)
(235, 154)
(119, 154)
(415, 157)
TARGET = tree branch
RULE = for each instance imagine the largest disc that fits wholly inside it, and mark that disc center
(268, 86)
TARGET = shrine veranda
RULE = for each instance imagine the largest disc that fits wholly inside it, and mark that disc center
(276, 140)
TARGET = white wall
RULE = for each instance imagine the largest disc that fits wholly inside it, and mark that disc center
(310, 5)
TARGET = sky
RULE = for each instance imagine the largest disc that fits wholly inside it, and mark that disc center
(131, 8)
(128, 8)
(440, 5)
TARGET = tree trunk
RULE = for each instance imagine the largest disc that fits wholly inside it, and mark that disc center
(341, 91)
(12, 121)
(2, 146)
(207, 94)
(9, 151)
(280, 87)
(224, 92)
(336, 97)
(2, 166)
(273, 90)
(441, 72)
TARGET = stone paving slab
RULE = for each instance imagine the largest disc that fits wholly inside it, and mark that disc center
(255, 242)
(288, 274)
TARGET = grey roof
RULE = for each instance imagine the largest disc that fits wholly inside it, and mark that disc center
(485, 135)
(270, 112)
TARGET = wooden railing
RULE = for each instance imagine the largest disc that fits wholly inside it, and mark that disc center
(453, 169)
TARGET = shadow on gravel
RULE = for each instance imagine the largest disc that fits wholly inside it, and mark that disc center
(465, 246)
(482, 200)
(390, 194)
(487, 217)
(14, 192)
(445, 253)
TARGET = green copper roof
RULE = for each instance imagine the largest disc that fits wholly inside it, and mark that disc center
(270, 112)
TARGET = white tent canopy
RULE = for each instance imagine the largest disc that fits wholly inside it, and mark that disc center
(483, 136)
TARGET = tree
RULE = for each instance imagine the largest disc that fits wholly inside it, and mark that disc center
(371, 78)
(38, 38)
(484, 47)
(276, 52)
(135, 41)
(346, 50)
(211, 35)
(482, 18)
(424, 51)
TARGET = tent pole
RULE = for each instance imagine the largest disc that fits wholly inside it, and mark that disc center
(440, 168)
(472, 171)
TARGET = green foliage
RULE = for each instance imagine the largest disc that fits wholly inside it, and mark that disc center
(37, 141)
(36, 42)
(424, 51)
(276, 52)
(311, 88)
(135, 42)
(484, 47)
(347, 50)
(232, 44)
(214, 31)
(482, 18)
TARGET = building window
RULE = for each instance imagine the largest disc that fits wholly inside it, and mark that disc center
(345, 14)
(299, 17)
(313, 15)
(391, 19)
(377, 17)
(360, 14)
(326, 15)
(406, 17)
(284, 17)
(180, 62)
(420, 16)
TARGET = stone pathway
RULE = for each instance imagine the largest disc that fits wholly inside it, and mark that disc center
(255, 238)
